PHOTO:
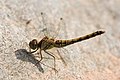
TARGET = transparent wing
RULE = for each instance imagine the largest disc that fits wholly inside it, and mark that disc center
(51, 27)
(61, 58)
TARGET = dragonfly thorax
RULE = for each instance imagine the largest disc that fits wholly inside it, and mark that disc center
(46, 43)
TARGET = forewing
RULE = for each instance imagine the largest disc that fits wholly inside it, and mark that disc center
(51, 27)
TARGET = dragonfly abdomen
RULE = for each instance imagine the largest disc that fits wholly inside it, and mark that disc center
(62, 43)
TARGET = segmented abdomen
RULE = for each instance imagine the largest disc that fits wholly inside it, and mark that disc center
(62, 43)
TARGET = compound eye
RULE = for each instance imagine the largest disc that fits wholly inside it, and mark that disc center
(33, 44)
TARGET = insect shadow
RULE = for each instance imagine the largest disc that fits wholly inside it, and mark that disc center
(24, 55)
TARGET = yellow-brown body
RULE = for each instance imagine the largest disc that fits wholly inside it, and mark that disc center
(48, 43)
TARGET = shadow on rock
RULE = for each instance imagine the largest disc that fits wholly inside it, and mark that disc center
(23, 55)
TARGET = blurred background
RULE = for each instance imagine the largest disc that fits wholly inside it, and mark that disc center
(94, 59)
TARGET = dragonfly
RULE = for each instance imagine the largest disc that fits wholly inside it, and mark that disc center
(47, 43)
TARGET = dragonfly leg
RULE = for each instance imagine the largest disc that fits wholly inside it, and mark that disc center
(40, 57)
(49, 67)
(53, 58)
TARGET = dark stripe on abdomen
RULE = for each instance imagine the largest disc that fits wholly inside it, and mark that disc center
(62, 43)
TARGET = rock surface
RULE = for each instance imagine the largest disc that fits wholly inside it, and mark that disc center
(94, 59)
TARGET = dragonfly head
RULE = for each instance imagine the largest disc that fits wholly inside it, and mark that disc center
(33, 44)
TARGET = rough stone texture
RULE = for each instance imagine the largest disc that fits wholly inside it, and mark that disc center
(94, 59)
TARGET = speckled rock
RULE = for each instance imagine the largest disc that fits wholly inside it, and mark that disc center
(94, 59)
